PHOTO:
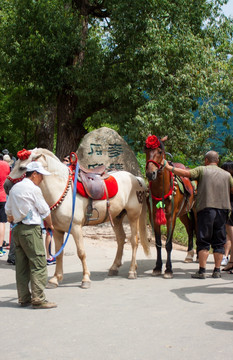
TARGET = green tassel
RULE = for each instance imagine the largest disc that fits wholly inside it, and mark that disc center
(159, 205)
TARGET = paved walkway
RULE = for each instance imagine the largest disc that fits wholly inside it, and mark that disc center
(119, 319)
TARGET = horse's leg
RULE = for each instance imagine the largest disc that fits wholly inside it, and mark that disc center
(168, 274)
(120, 238)
(189, 226)
(158, 243)
(78, 238)
(134, 244)
(58, 275)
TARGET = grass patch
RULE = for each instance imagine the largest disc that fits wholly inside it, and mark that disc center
(180, 235)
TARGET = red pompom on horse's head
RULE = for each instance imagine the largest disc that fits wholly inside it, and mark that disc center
(152, 142)
(23, 154)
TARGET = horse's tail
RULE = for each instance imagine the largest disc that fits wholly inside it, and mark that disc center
(143, 227)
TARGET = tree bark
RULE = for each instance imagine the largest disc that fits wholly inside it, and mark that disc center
(70, 130)
(45, 131)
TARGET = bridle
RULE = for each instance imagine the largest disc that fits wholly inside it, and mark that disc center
(159, 166)
(15, 181)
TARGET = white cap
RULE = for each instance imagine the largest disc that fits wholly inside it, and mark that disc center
(7, 158)
(37, 166)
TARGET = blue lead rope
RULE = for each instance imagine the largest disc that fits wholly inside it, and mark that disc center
(73, 207)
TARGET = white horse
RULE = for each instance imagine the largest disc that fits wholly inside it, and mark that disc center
(130, 200)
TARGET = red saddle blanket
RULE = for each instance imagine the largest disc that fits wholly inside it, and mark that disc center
(111, 185)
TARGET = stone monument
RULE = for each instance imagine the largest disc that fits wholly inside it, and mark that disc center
(105, 146)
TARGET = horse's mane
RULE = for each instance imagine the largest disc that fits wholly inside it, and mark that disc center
(55, 166)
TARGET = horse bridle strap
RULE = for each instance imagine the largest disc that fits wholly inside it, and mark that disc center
(54, 206)
(154, 162)
(15, 181)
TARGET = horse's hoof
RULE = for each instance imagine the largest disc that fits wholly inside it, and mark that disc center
(113, 272)
(156, 273)
(51, 285)
(168, 275)
(85, 284)
(189, 257)
(132, 275)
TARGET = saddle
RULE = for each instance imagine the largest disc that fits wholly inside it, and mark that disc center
(187, 184)
(93, 181)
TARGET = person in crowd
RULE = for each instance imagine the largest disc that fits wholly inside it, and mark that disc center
(5, 152)
(8, 159)
(66, 160)
(4, 172)
(228, 258)
(48, 238)
(25, 207)
(11, 253)
(213, 205)
(13, 159)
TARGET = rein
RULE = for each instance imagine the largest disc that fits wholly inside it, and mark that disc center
(72, 217)
(169, 192)
(60, 200)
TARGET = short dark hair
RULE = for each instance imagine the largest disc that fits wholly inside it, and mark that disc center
(29, 173)
(228, 166)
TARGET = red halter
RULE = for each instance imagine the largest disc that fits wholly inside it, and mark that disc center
(17, 179)
(159, 166)
(169, 192)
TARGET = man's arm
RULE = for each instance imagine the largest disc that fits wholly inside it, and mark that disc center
(48, 221)
(177, 171)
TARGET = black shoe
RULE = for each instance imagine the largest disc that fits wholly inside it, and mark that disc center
(5, 244)
(10, 262)
(216, 275)
(198, 275)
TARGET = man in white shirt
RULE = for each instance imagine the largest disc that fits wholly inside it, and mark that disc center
(25, 207)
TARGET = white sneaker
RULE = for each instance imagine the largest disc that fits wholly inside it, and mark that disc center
(224, 261)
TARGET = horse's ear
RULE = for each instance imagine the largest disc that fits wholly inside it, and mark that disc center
(164, 138)
(35, 157)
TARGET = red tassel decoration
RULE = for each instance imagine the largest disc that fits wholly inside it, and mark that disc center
(160, 217)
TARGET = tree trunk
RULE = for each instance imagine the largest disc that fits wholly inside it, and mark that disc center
(45, 131)
(70, 130)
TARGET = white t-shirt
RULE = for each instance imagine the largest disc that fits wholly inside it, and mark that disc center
(26, 203)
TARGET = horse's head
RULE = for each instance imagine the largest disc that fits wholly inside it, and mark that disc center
(19, 170)
(155, 153)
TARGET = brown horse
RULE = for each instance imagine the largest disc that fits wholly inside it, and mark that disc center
(171, 197)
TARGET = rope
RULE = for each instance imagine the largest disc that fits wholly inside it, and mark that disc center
(72, 217)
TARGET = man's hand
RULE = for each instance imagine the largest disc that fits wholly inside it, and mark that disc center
(10, 218)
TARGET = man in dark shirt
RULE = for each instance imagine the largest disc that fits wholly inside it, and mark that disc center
(213, 205)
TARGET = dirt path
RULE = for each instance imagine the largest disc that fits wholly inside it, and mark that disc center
(104, 233)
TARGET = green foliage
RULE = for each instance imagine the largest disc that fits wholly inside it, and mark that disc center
(141, 67)
(180, 235)
(141, 158)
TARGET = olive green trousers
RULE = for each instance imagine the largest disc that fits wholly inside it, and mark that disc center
(30, 261)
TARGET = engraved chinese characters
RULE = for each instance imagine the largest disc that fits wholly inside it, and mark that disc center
(105, 146)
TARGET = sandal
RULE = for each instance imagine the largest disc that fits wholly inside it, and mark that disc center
(227, 268)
